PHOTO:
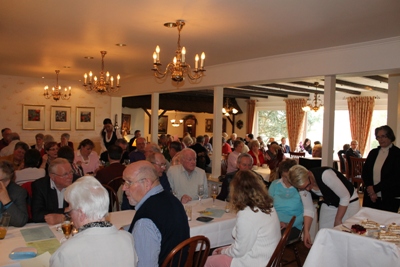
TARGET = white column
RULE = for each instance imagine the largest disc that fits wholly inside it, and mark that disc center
(155, 102)
(329, 121)
(393, 109)
(217, 132)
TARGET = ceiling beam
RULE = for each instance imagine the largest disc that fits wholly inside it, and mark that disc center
(378, 78)
(283, 91)
(347, 91)
(292, 88)
(361, 86)
(249, 90)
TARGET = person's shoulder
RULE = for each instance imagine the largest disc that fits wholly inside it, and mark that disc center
(200, 171)
(41, 182)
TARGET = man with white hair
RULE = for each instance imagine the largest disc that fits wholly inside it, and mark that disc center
(98, 242)
(185, 178)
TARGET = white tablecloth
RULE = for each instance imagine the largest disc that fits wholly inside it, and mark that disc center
(264, 172)
(219, 231)
(333, 247)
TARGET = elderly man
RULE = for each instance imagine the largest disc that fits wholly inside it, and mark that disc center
(244, 163)
(138, 153)
(160, 164)
(232, 158)
(185, 178)
(132, 142)
(48, 203)
(160, 222)
(115, 169)
(284, 146)
(17, 157)
(98, 242)
(150, 149)
(12, 139)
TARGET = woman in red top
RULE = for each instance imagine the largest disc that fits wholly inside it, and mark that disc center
(226, 148)
(256, 153)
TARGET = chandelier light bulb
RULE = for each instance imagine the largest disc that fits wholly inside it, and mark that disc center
(56, 91)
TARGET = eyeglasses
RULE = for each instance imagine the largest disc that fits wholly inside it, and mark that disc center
(129, 183)
(381, 136)
(65, 175)
(307, 186)
(161, 165)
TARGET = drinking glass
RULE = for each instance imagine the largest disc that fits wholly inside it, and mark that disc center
(4, 222)
(200, 192)
(214, 192)
(66, 227)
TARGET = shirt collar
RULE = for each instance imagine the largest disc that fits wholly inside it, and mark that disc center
(53, 186)
(155, 190)
(386, 149)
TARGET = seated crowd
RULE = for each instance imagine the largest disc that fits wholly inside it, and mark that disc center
(157, 180)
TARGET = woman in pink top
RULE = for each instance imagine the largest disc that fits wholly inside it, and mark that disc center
(86, 157)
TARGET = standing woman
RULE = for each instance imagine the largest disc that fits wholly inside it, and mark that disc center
(257, 229)
(381, 173)
(340, 197)
(108, 135)
(86, 157)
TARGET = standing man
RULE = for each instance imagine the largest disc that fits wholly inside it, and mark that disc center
(132, 142)
(138, 153)
(160, 222)
(284, 146)
(185, 178)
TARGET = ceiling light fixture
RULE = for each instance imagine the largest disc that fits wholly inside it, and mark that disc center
(228, 109)
(178, 68)
(57, 92)
(315, 104)
(104, 84)
(175, 122)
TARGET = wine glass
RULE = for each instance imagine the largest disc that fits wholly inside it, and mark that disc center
(200, 192)
(66, 227)
(214, 192)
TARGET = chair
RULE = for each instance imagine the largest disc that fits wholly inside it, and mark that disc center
(199, 243)
(114, 202)
(276, 257)
(116, 183)
(354, 172)
(28, 188)
(292, 243)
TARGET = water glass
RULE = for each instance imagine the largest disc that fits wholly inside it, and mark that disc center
(4, 222)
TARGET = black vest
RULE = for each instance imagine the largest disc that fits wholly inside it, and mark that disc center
(169, 216)
(330, 198)
(112, 141)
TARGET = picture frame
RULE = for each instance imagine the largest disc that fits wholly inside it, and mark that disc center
(60, 118)
(33, 117)
(209, 126)
(85, 118)
(126, 124)
(163, 125)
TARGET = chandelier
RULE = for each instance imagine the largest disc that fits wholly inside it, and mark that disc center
(56, 92)
(315, 104)
(175, 122)
(178, 68)
(104, 84)
(228, 109)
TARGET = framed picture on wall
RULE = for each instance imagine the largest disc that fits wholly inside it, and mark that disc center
(163, 125)
(209, 125)
(33, 117)
(126, 124)
(85, 118)
(60, 118)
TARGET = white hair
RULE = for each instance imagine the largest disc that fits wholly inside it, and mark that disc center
(89, 196)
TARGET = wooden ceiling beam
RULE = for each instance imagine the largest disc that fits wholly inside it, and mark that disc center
(255, 93)
(283, 91)
(361, 86)
(378, 78)
(292, 88)
(347, 91)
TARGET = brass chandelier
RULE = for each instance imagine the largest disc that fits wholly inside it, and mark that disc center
(178, 68)
(175, 122)
(103, 84)
(56, 93)
(316, 103)
(228, 108)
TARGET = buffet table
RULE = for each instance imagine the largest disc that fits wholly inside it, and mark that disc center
(219, 230)
(335, 247)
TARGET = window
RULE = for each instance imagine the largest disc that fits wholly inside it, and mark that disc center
(272, 123)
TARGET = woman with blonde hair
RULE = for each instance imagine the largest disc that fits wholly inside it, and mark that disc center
(257, 230)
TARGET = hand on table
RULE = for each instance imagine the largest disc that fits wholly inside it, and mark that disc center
(54, 218)
(185, 199)
(4, 197)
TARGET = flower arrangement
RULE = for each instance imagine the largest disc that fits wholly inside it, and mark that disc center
(301, 147)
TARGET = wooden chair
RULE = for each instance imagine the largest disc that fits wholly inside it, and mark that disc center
(199, 244)
(292, 243)
(276, 257)
(116, 183)
(114, 202)
(28, 187)
(354, 171)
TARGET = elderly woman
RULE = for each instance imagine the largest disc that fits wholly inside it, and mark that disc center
(381, 174)
(256, 153)
(317, 151)
(274, 156)
(340, 197)
(12, 196)
(65, 141)
(86, 157)
(51, 149)
(257, 230)
(98, 242)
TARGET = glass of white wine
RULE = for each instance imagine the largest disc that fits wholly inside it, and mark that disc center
(214, 192)
(200, 192)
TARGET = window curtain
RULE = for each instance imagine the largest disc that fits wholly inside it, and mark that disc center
(360, 113)
(251, 105)
(295, 117)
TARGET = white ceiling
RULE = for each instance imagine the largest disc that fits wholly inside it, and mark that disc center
(38, 37)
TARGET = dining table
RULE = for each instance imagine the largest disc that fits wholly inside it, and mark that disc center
(218, 230)
(340, 247)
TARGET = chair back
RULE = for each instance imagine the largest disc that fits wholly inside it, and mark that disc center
(114, 202)
(355, 169)
(116, 183)
(199, 244)
(276, 257)
(297, 154)
(28, 188)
